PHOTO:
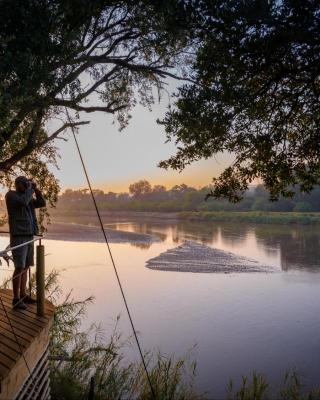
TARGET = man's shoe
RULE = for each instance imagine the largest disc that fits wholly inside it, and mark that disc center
(18, 304)
(29, 300)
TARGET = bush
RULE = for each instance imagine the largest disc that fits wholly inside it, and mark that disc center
(302, 206)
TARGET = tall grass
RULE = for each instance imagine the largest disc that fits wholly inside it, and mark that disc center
(88, 354)
(256, 387)
(253, 388)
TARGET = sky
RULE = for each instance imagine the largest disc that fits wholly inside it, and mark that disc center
(115, 159)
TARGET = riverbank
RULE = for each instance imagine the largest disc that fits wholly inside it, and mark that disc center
(89, 233)
(256, 217)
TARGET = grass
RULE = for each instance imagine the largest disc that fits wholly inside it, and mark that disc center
(256, 387)
(93, 354)
(257, 217)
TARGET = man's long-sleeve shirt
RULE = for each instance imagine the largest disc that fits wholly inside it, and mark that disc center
(21, 211)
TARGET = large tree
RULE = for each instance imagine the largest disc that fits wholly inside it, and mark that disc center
(256, 96)
(60, 59)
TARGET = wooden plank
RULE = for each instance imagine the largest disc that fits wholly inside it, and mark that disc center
(8, 351)
(49, 306)
(21, 329)
(28, 323)
(9, 335)
(10, 343)
(32, 333)
(15, 316)
(31, 311)
(26, 316)
(18, 383)
(3, 370)
(4, 326)
(6, 361)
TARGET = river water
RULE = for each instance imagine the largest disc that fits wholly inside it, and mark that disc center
(239, 323)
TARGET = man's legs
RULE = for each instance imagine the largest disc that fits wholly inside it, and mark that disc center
(29, 263)
(16, 282)
(23, 283)
(20, 275)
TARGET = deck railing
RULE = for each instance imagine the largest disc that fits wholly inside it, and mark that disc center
(40, 269)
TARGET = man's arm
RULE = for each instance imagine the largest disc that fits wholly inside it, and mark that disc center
(39, 201)
(19, 200)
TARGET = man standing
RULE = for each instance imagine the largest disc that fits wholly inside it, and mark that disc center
(21, 204)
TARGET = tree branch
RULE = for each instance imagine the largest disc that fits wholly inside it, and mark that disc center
(65, 126)
(28, 148)
(124, 63)
(5, 134)
(104, 79)
(74, 106)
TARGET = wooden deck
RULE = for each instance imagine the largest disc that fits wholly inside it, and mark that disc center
(32, 334)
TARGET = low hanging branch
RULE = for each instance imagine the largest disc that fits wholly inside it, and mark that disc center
(55, 135)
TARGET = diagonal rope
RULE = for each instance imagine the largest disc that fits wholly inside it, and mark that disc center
(111, 257)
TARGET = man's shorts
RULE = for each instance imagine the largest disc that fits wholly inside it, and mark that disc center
(23, 257)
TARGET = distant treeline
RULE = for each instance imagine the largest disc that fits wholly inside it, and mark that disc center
(143, 197)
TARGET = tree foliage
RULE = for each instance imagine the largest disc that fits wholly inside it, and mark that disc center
(251, 70)
(140, 188)
(62, 59)
(257, 96)
(181, 198)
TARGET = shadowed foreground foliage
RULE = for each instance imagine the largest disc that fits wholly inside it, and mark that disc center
(255, 96)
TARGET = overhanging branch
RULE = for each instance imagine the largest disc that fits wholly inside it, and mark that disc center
(28, 148)
(65, 126)
(77, 107)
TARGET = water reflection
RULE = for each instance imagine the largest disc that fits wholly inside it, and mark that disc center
(288, 247)
(296, 247)
(301, 252)
(142, 246)
(261, 322)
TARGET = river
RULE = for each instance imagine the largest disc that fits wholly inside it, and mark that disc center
(239, 323)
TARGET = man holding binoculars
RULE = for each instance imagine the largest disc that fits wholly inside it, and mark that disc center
(21, 204)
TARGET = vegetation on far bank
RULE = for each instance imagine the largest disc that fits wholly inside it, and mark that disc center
(188, 203)
(257, 217)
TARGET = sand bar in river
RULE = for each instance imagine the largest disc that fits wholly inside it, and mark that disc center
(196, 257)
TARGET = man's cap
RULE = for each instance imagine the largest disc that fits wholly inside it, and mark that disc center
(21, 179)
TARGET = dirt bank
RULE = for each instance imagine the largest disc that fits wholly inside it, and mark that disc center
(88, 233)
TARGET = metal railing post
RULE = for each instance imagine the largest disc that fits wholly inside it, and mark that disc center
(40, 279)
